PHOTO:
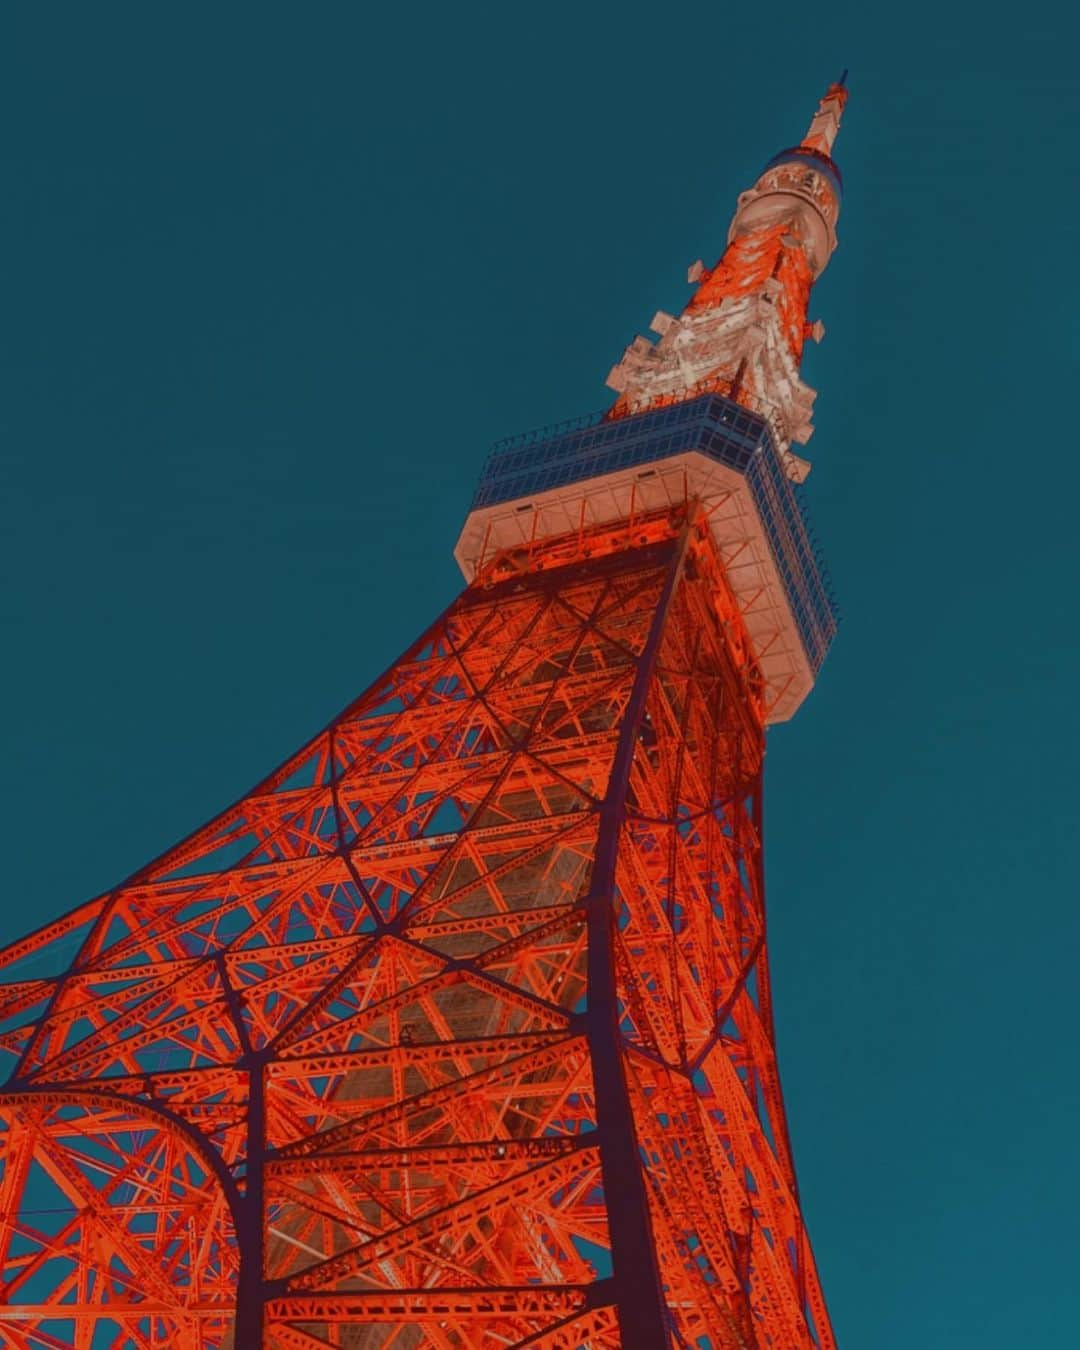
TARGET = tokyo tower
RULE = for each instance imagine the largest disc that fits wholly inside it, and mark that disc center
(457, 1029)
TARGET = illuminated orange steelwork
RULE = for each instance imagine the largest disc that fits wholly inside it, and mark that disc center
(457, 1029)
(780, 241)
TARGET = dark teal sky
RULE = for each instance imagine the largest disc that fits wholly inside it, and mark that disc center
(274, 277)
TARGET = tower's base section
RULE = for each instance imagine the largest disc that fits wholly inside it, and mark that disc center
(456, 1030)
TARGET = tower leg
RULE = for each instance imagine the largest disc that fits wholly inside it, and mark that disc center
(642, 1312)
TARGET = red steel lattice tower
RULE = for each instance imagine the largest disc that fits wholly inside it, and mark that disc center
(456, 1030)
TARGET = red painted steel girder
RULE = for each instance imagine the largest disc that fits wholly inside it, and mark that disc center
(455, 1031)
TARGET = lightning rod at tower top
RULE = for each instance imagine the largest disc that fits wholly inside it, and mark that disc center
(457, 1029)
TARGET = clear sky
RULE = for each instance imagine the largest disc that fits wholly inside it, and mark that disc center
(275, 276)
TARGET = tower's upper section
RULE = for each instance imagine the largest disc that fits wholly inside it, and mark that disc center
(800, 188)
(742, 332)
(705, 418)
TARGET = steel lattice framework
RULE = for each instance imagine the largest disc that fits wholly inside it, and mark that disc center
(456, 1030)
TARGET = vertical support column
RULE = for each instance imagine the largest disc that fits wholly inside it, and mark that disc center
(643, 1318)
(251, 1290)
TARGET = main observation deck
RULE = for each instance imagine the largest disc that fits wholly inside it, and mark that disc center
(594, 471)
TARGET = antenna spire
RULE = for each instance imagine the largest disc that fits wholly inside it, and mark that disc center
(826, 123)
